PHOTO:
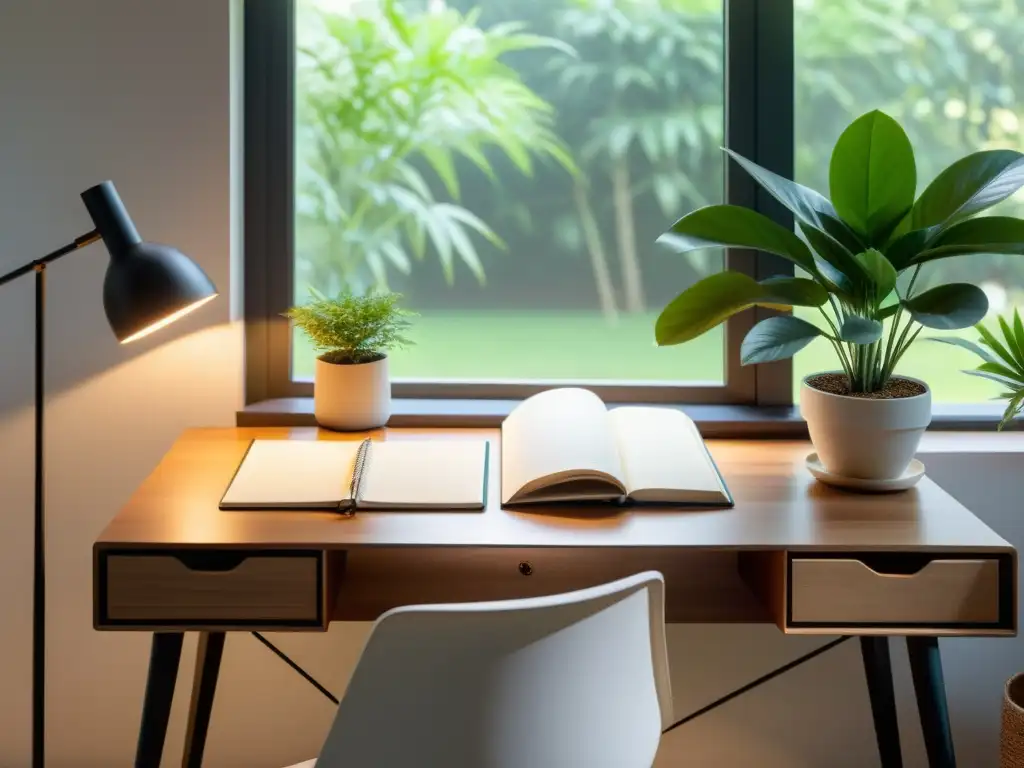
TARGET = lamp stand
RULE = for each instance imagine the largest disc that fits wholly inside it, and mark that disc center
(39, 530)
(39, 556)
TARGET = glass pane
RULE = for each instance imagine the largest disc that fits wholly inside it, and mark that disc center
(952, 73)
(508, 167)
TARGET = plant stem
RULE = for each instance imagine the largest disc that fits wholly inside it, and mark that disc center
(906, 346)
(837, 344)
(913, 279)
(901, 347)
(874, 360)
(888, 364)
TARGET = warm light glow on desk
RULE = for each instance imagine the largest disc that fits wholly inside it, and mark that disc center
(165, 321)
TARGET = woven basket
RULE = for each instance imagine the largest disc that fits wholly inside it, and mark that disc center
(1011, 741)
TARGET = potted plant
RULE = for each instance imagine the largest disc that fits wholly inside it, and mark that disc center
(351, 386)
(1002, 361)
(857, 259)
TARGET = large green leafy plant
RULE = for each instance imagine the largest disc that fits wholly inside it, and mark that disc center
(350, 328)
(851, 252)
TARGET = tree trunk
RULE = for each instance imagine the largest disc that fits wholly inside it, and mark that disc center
(598, 261)
(622, 195)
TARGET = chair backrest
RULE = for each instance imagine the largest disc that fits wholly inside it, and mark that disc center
(578, 679)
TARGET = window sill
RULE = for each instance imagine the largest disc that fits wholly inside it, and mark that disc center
(714, 421)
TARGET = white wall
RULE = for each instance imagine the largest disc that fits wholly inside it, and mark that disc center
(139, 91)
(136, 91)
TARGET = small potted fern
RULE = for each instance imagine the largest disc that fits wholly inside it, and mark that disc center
(352, 334)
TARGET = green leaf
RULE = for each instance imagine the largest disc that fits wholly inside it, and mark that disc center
(842, 234)
(879, 270)
(1006, 382)
(1013, 408)
(981, 232)
(1013, 344)
(902, 251)
(949, 307)
(1001, 370)
(845, 272)
(777, 338)
(969, 185)
(834, 280)
(967, 344)
(872, 176)
(708, 302)
(945, 251)
(806, 204)
(860, 330)
(989, 338)
(733, 225)
(704, 305)
(887, 311)
(794, 291)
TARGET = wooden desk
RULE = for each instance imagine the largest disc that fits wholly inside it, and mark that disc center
(812, 559)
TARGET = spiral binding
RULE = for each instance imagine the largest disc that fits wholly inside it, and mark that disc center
(348, 507)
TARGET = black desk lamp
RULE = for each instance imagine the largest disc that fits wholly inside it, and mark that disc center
(147, 286)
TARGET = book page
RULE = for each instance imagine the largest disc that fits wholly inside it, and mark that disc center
(310, 474)
(561, 436)
(410, 474)
(664, 457)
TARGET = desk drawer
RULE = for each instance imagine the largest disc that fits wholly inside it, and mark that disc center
(892, 591)
(203, 589)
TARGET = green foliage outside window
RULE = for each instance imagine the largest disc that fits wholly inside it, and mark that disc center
(386, 94)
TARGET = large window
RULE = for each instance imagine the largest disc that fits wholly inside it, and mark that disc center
(507, 165)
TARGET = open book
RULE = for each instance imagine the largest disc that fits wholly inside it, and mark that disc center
(344, 475)
(564, 445)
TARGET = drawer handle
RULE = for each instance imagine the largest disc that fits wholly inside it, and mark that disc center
(900, 564)
(217, 562)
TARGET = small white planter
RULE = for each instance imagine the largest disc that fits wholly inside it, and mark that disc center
(863, 438)
(352, 396)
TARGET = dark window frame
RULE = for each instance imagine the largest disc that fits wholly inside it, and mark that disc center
(758, 124)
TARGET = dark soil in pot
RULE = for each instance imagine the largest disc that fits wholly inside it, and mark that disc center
(839, 384)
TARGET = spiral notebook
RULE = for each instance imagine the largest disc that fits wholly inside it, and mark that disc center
(345, 475)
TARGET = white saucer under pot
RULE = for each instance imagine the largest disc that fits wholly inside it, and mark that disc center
(913, 473)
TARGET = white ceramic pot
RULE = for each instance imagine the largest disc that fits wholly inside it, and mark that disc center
(352, 396)
(864, 438)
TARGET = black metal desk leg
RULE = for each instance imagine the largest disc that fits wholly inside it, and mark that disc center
(878, 671)
(204, 685)
(926, 669)
(156, 707)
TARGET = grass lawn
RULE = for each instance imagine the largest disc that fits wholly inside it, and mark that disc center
(582, 346)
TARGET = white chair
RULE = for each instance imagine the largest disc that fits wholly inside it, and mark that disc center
(566, 681)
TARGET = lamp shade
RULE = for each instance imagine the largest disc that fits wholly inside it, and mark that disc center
(147, 285)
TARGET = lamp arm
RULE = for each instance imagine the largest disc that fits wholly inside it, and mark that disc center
(79, 242)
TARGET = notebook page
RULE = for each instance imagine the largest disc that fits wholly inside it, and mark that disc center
(562, 430)
(662, 450)
(293, 473)
(425, 474)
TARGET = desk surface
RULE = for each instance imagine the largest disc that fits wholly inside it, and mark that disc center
(778, 506)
